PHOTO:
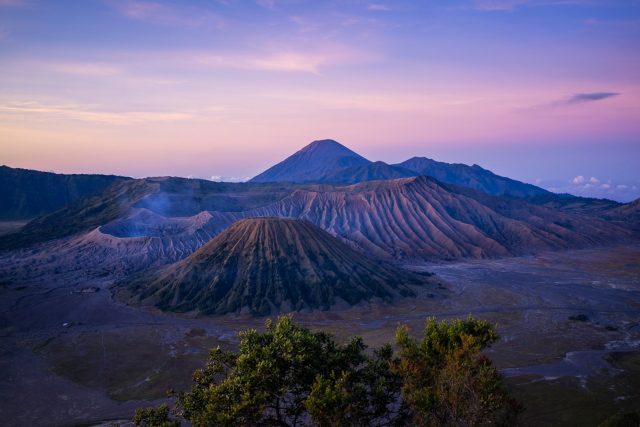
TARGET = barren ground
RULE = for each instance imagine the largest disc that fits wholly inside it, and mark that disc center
(80, 358)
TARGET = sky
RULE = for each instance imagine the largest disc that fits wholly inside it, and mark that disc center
(544, 91)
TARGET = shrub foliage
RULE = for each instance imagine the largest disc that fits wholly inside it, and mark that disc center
(289, 375)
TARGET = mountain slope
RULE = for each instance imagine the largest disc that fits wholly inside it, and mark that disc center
(570, 203)
(170, 197)
(327, 161)
(139, 240)
(371, 172)
(419, 218)
(409, 218)
(264, 265)
(82, 215)
(474, 177)
(627, 214)
(312, 163)
(26, 194)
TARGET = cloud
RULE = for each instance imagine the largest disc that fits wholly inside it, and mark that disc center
(267, 4)
(378, 7)
(575, 99)
(163, 14)
(580, 98)
(283, 60)
(509, 5)
(79, 113)
(304, 25)
(594, 187)
(129, 65)
(12, 3)
(220, 178)
(85, 68)
(578, 180)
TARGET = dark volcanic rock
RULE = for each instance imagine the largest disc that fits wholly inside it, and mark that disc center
(265, 265)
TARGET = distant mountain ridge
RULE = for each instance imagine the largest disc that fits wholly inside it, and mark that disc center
(26, 194)
(160, 220)
(474, 177)
(327, 161)
(407, 218)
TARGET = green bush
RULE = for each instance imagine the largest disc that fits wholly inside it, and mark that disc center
(291, 376)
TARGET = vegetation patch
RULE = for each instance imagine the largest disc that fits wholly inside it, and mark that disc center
(290, 376)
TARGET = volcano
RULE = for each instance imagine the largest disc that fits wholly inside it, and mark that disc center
(267, 265)
(313, 163)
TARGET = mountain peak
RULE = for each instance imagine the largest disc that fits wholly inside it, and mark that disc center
(312, 163)
(323, 143)
(328, 146)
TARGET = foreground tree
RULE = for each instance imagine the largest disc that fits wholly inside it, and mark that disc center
(155, 417)
(290, 376)
(447, 381)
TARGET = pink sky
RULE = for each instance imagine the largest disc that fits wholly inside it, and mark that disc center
(226, 89)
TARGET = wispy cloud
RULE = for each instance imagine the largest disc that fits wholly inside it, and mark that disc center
(155, 66)
(267, 4)
(508, 5)
(284, 60)
(79, 113)
(85, 68)
(304, 25)
(164, 14)
(12, 3)
(571, 100)
(580, 98)
(378, 6)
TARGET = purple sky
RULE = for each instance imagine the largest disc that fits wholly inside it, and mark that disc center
(545, 91)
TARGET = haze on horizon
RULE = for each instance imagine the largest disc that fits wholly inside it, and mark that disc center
(544, 91)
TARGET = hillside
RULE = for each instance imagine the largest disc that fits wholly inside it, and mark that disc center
(82, 215)
(420, 218)
(265, 265)
(409, 218)
(370, 172)
(169, 197)
(627, 214)
(26, 194)
(570, 203)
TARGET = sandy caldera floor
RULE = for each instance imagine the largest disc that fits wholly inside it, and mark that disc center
(78, 358)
